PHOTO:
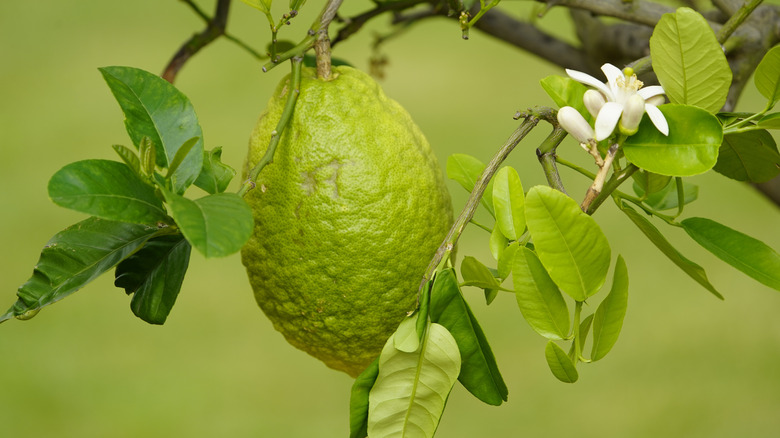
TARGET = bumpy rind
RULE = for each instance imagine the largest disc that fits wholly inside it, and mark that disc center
(347, 217)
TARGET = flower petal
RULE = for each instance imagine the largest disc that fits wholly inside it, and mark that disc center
(612, 73)
(657, 117)
(648, 92)
(589, 80)
(607, 119)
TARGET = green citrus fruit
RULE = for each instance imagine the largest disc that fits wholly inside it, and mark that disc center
(347, 217)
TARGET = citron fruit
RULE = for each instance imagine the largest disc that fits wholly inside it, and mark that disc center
(347, 217)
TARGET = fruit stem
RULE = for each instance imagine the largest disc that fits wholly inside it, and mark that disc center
(445, 249)
(322, 43)
(289, 107)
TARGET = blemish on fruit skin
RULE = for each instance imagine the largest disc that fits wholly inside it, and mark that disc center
(324, 173)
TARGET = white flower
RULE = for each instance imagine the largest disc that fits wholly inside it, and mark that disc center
(620, 87)
(572, 121)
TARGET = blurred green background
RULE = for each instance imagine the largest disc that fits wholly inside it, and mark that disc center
(686, 365)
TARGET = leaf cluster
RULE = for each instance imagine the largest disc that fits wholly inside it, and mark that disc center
(140, 223)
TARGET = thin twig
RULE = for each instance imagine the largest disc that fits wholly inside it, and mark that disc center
(215, 27)
(446, 247)
(736, 20)
(289, 107)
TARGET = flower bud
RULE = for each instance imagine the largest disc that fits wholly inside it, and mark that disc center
(593, 100)
(633, 110)
(572, 121)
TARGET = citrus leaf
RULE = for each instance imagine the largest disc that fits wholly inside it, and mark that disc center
(156, 109)
(608, 319)
(108, 190)
(216, 225)
(508, 203)
(506, 260)
(406, 338)
(358, 401)
(215, 175)
(465, 170)
(565, 91)
(695, 271)
(690, 148)
(560, 364)
(749, 156)
(129, 157)
(479, 372)
(261, 5)
(539, 299)
(154, 274)
(422, 310)
(666, 198)
(476, 274)
(181, 154)
(584, 329)
(648, 182)
(497, 242)
(689, 61)
(770, 121)
(411, 389)
(569, 243)
(77, 255)
(749, 255)
(767, 76)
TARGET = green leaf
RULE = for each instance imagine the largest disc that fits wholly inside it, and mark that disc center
(689, 61)
(479, 372)
(648, 182)
(690, 149)
(261, 5)
(296, 4)
(422, 309)
(651, 232)
(560, 364)
(749, 156)
(358, 401)
(154, 274)
(741, 251)
(608, 320)
(767, 76)
(584, 329)
(569, 243)
(509, 203)
(539, 299)
(108, 190)
(155, 108)
(666, 198)
(411, 389)
(77, 255)
(129, 157)
(215, 175)
(406, 338)
(181, 154)
(506, 260)
(476, 274)
(565, 91)
(497, 242)
(770, 121)
(216, 225)
(465, 170)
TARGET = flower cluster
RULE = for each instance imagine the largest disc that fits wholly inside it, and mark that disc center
(621, 103)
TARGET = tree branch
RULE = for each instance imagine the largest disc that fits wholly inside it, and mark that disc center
(528, 37)
(215, 27)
